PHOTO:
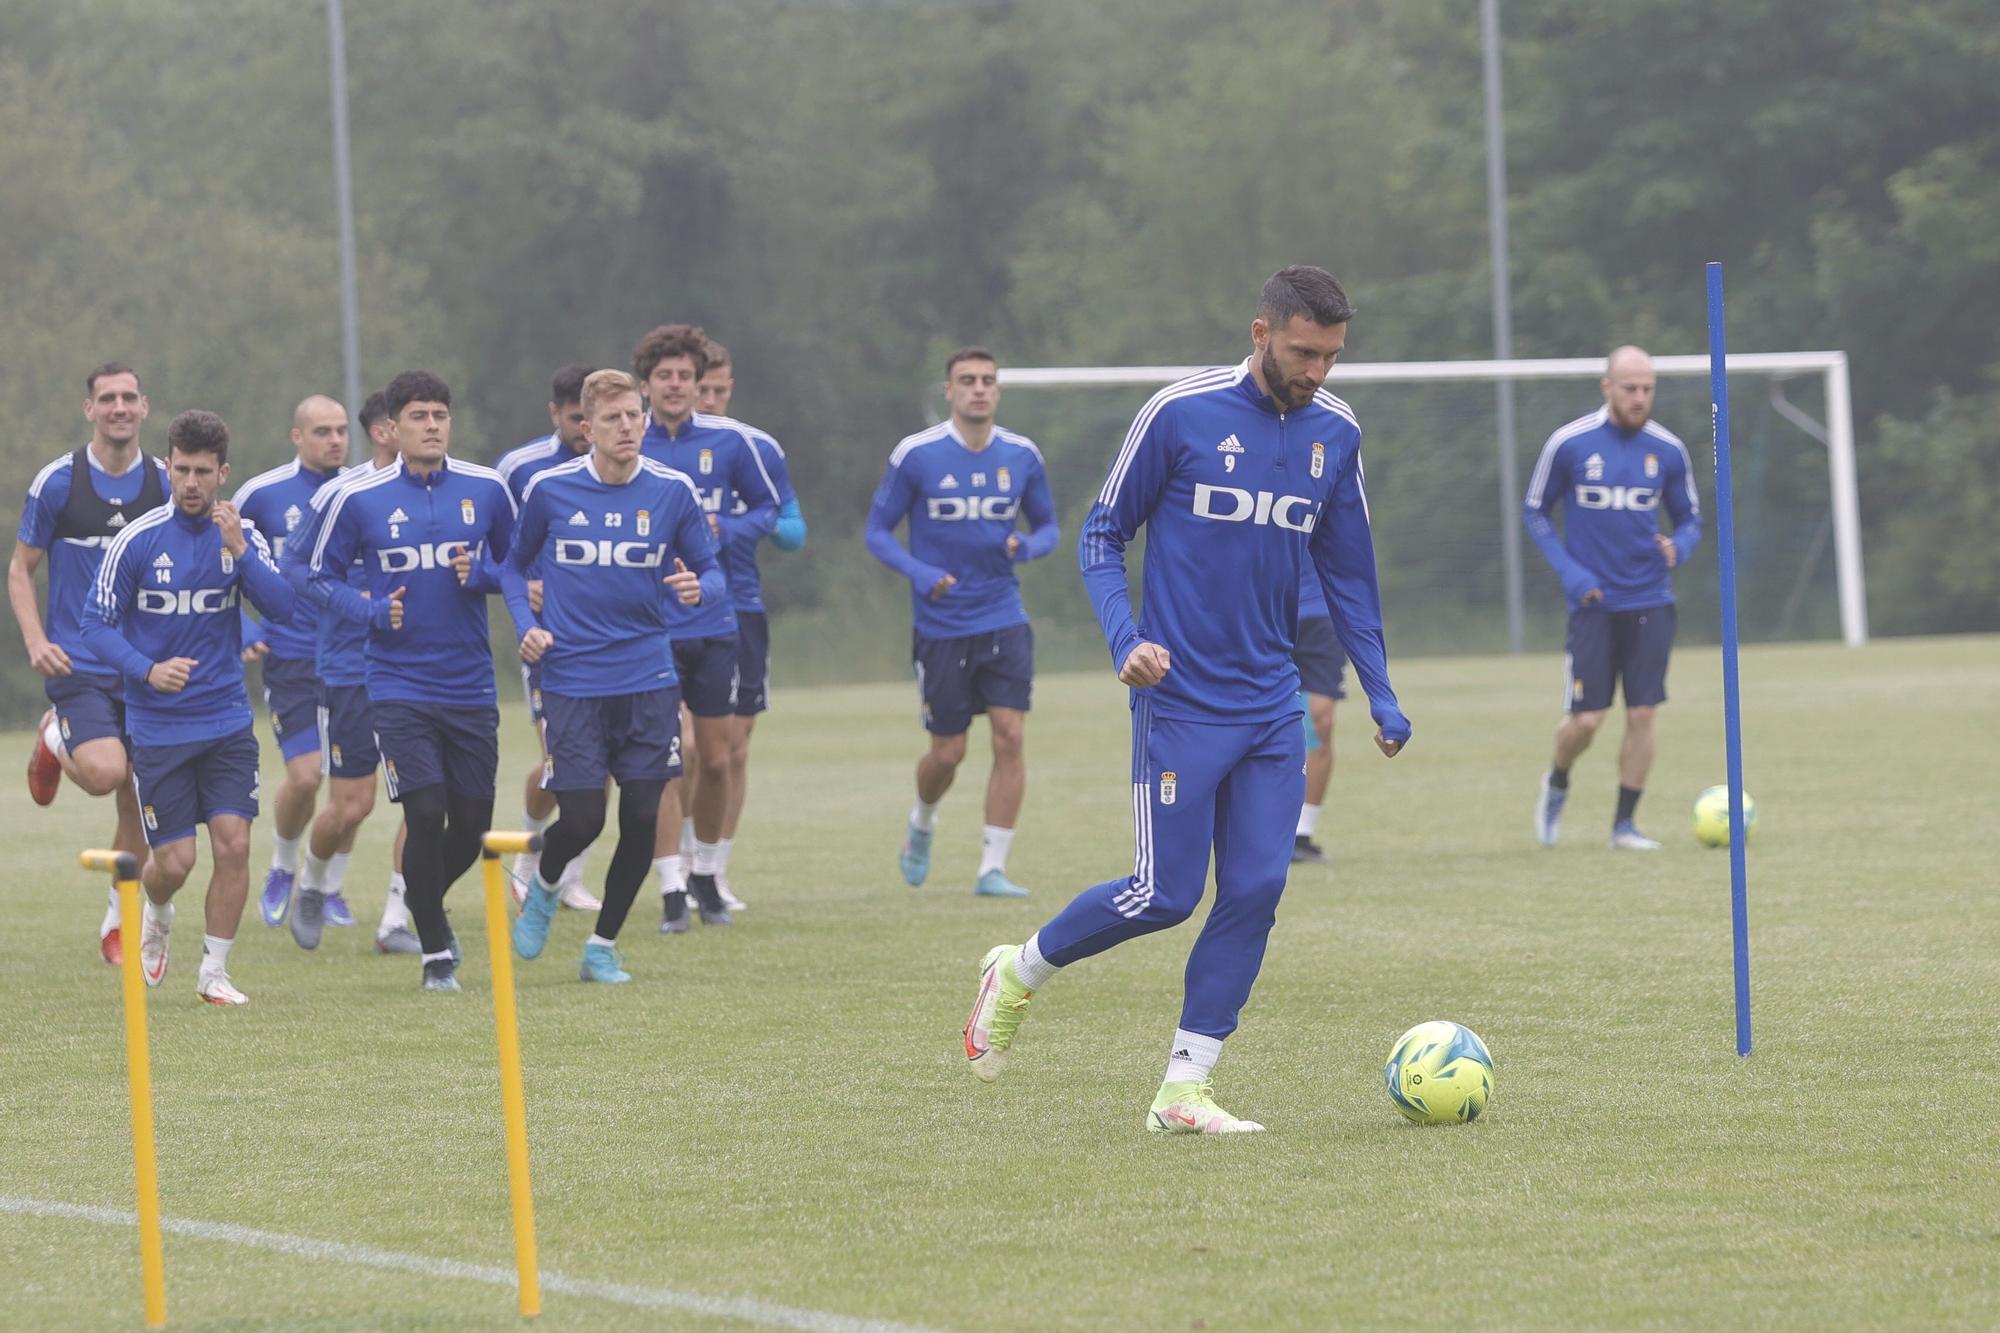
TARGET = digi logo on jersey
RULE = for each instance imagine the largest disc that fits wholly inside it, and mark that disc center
(1641, 498)
(952, 507)
(1262, 508)
(186, 601)
(431, 555)
(604, 551)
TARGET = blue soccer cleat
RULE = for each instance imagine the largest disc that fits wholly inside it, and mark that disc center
(915, 858)
(277, 896)
(338, 913)
(531, 928)
(995, 884)
(601, 963)
(1548, 812)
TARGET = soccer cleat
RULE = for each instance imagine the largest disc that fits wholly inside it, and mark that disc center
(729, 898)
(673, 914)
(277, 896)
(1626, 837)
(578, 898)
(398, 939)
(1306, 852)
(44, 769)
(153, 948)
(441, 974)
(522, 876)
(915, 858)
(995, 884)
(602, 963)
(338, 913)
(214, 986)
(531, 928)
(111, 940)
(707, 900)
(996, 1012)
(308, 917)
(1189, 1108)
(1548, 812)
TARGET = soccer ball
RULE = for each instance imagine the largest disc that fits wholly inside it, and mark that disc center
(1711, 817)
(1439, 1074)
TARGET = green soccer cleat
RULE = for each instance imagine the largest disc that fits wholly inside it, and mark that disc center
(996, 1013)
(601, 963)
(1189, 1108)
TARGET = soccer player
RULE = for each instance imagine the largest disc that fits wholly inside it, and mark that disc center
(517, 467)
(276, 504)
(964, 485)
(1239, 476)
(164, 612)
(430, 664)
(1321, 663)
(615, 537)
(719, 460)
(1616, 468)
(75, 507)
(753, 625)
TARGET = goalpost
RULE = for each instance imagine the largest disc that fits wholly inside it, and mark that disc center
(1842, 515)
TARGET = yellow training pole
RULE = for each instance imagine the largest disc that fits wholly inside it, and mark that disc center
(123, 867)
(507, 1027)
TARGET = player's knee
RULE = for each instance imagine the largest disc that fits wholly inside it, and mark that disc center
(354, 804)
(174, 861)
(1009, 739)
(424, 812)
(639, 811)
(1587, 722)
(229, 840)
(100, 775)
(1640, 719)
(948, 750)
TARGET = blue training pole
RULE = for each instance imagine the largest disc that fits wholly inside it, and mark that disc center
(1732, 705)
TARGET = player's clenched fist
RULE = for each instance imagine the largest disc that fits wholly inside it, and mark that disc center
(171, 676)
(534, 643)
(1146, 665)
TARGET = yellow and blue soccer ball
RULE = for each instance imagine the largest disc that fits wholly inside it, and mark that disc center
(1711, 817)
(1439, 1074)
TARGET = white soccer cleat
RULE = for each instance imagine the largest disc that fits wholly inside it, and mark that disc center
(997, 1011)
(1626, 837)
(522, 875)
(153, 947)
(578, 898)
(1548, 812)
(1189, 1108)
(214, 986)
(729, 899)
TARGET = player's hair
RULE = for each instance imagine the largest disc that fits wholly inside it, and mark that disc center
(603, 384)
(567, 386)
(972, 353)
(414, 386)
(718, 355)
(199, 432)
(373, 409)
(668, 341)
(108, 368)
(1303, 289)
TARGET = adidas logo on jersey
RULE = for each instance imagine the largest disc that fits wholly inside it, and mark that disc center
(1593, 468)
(577, 520)
(117, 520)
(292, 517)
(399, 516)
(163, 561)
(1232, 445)
(950, 483)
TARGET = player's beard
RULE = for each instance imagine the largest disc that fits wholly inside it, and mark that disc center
(1280, 387)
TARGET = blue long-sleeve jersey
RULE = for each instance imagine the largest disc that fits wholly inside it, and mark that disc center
(962, 505)
(1615, 481)
(717, 457)
(75, 555)
(406, 527)
(169, 588)
(278, 502)
(340, 648)
(604, 551)
(1236, 497)
(788, 533)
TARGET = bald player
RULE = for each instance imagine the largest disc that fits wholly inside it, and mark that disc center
(1617, 469)
(277, 502)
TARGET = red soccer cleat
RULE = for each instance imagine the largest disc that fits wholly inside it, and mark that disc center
(113, 949)
(44, 769)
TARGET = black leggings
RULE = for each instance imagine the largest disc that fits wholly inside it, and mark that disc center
(443, 843)
(582, 820)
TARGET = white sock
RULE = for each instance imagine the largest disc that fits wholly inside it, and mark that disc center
(395, 914)
(595, 938)
(215, 953)
(1193, 1057)
(52, 736)
(336, 871)
(1029, 965)
(706, 860)
(1308, 820)
(993, 845)
(156, 914)
(443, 956)
(285, 853)
(314, 876)
(923, 816)
(722, 855)
(536, 825)
(673, 879)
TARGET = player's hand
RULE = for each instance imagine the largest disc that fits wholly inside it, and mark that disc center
(461, 564)
(1387, 746)
(1668, 551)
(396, 608)
(685, 583)
(171, 676)
(226, 518)
(254, 650)
(534, 643)
(941, 587)
(1014, 546)
(1145, 666)
(1594, 597)
(535, 596)
(49, 659)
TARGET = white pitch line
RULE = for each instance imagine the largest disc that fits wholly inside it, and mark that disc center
(744, 1308)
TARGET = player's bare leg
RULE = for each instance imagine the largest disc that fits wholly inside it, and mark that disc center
(732, 814)
(935, 770)
(126, 836)
(1006, 788)
(1635, 761)
(101, 767)
(329, 850)
(706, 806)
(1319, 776)
(165, 869)
(1573, 736)
(667, 862)
(228, 891)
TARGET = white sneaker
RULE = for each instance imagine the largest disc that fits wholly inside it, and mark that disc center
(1626, 837)
(575, 896)
(522, 875)
(213, 985)
(110, 922)
(729, 900)
(153, 945)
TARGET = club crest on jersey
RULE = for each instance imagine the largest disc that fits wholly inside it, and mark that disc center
(1319, 458)
(1652, 465)
(1169, 785)
(645, 523)
(292, 517)
(707, 464)
(1006, 479)
(467, 512)
(228, 562)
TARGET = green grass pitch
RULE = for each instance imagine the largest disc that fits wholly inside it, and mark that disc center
(779, 1110)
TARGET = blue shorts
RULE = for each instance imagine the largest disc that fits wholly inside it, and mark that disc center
(1320, 658)
(958, 678)
(531, 689)
(182, 787)
(1604, 647)
(347, 732)
(707, 668)
(753, 663)
(427, 745)
(88, 707)
(291, 694)
(630, 737)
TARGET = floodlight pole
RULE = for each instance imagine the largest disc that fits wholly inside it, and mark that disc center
(1503, 323)
(343, 195)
